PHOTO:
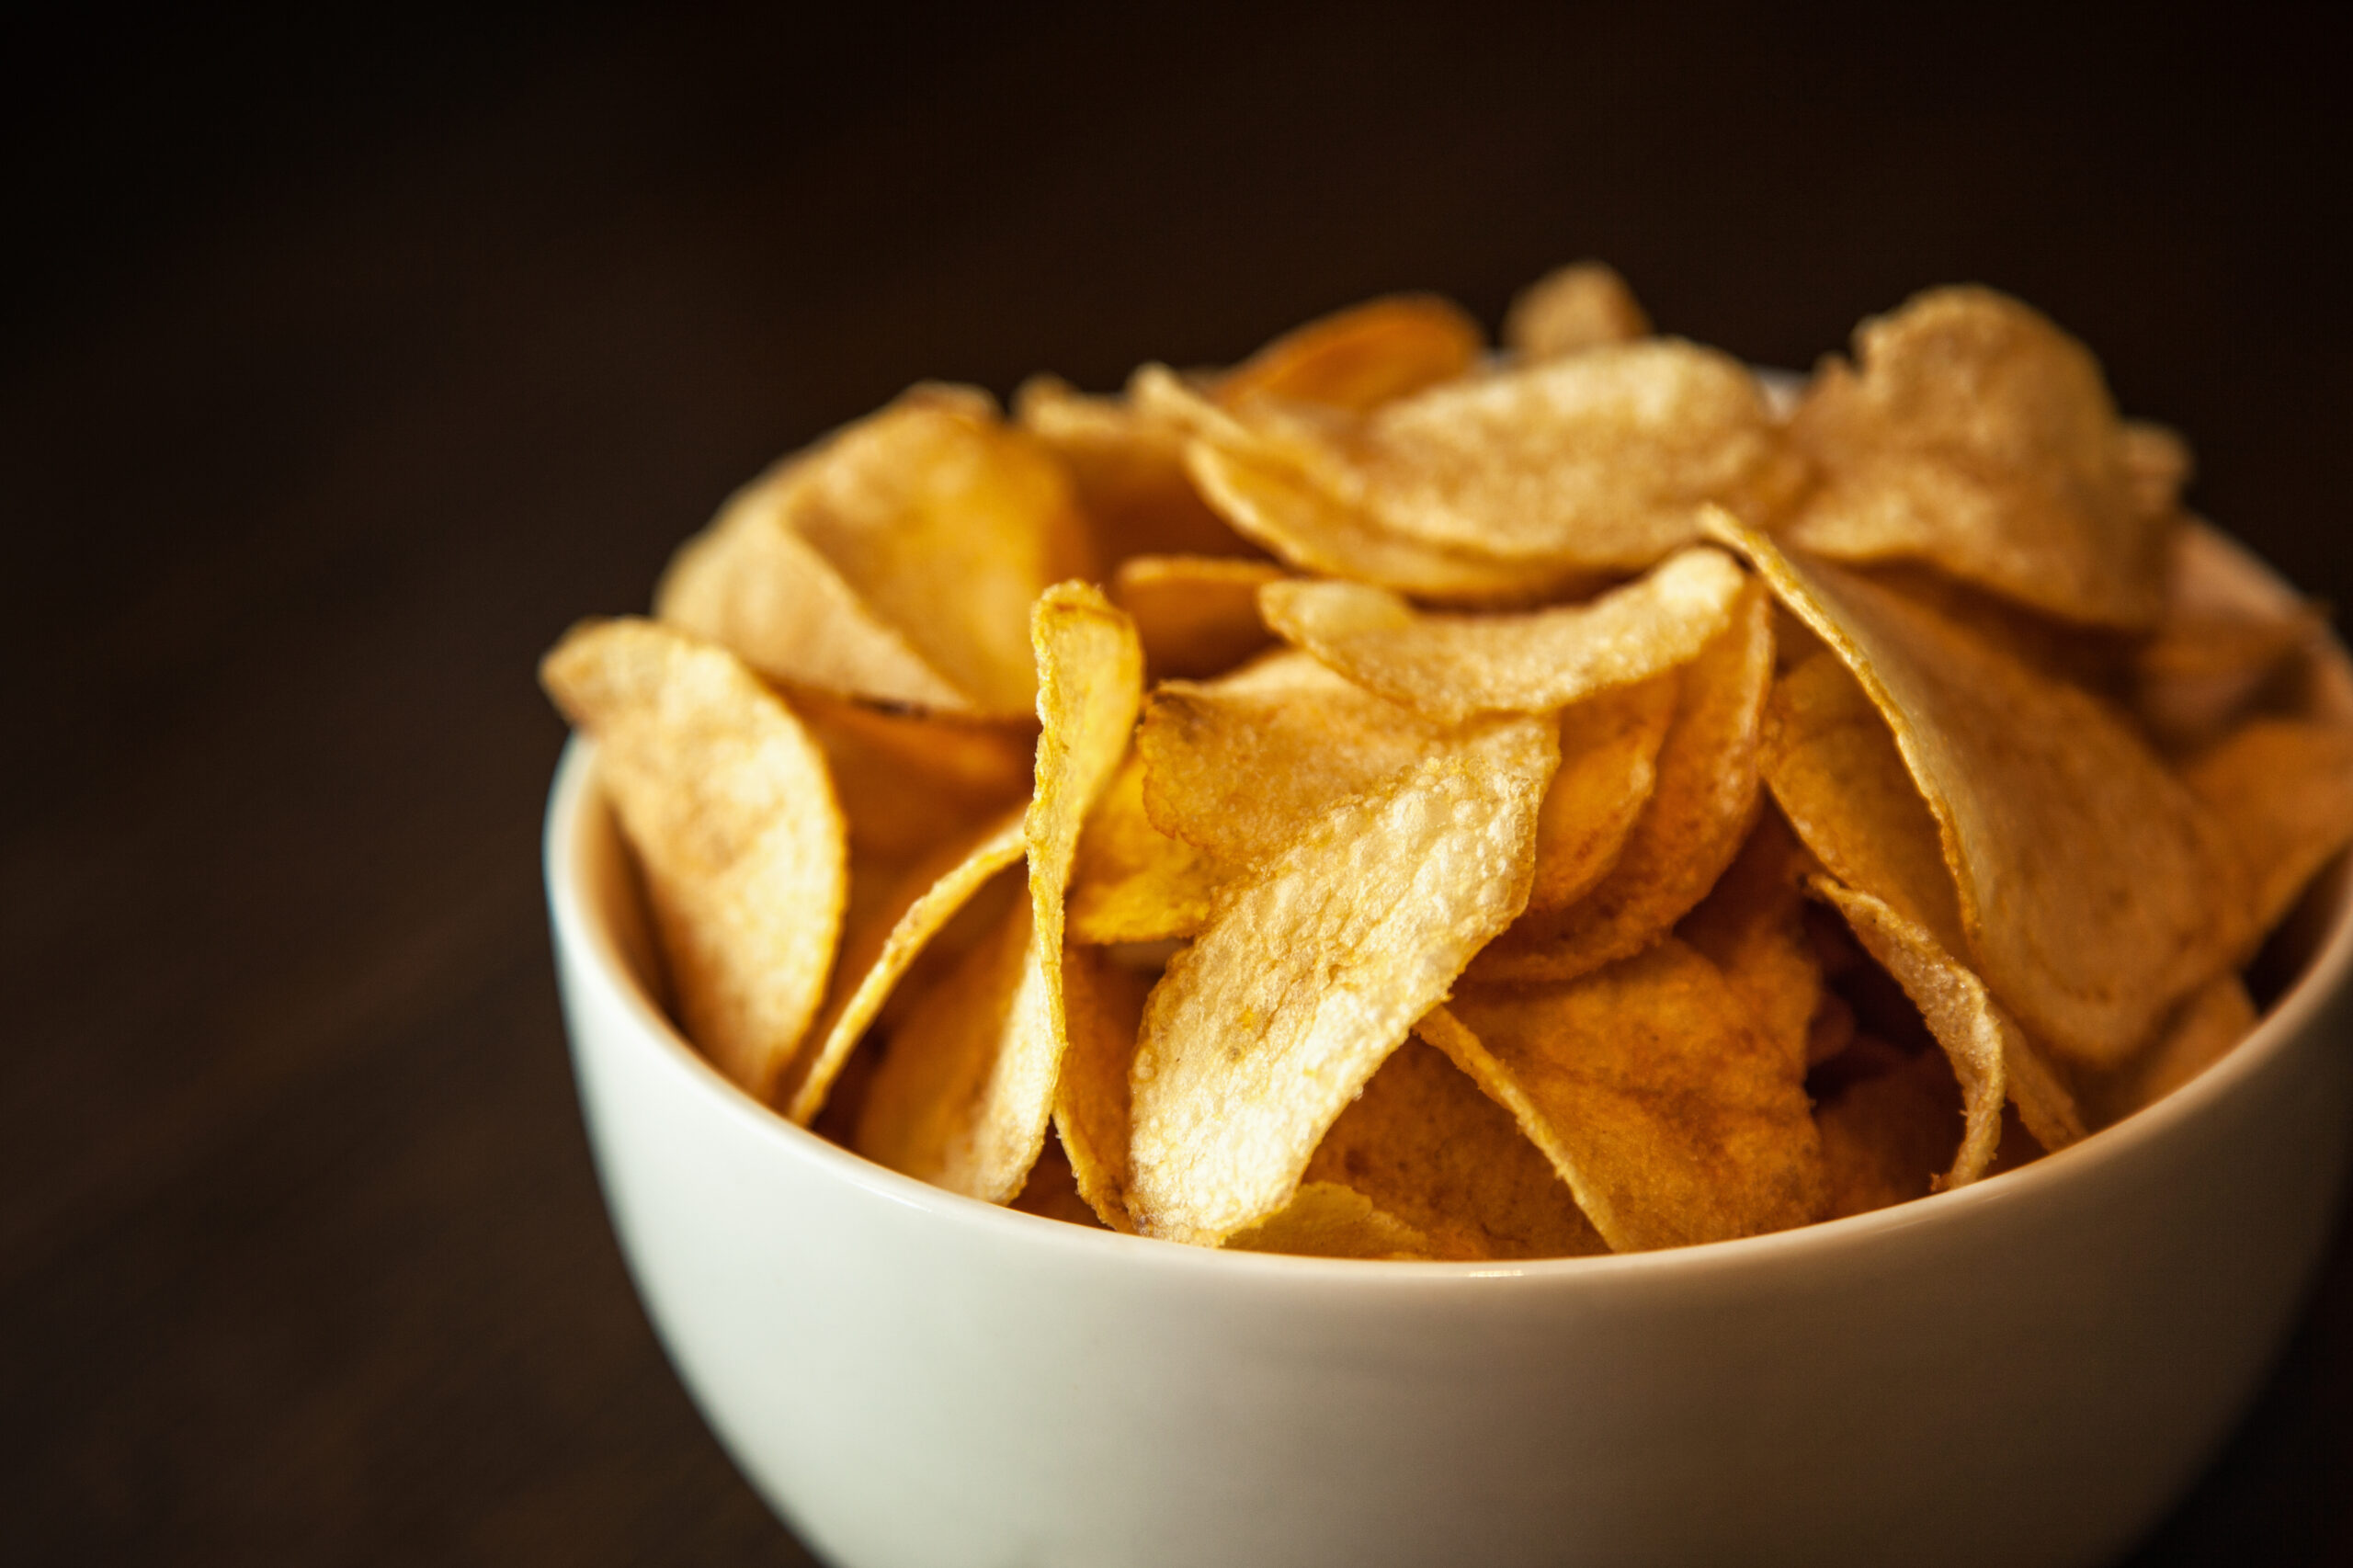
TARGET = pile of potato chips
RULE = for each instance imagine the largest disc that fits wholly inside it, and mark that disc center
(1397, 798)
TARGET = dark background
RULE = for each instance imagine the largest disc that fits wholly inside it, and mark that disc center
(343, 367)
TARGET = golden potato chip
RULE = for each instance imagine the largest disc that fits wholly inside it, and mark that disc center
(1672, 1117)
(1128, 468)
(1326, 1219)
(906, 781)
(1242, 765)
(2212, 1020)
(1132, 882)
(1889, 1124)
(2283, 787)
(1198, 615)
(963, 1102)
(881, 943)
(1357, 360)
(1451, 666)
(897, 560)
(1752, 927)
(1699, 812)
(2095, 889)
(1980, 438)
(1312, 970)
(1572, 308)
(725, 800)
(1609, 748)
(1052, 1190)
(1427, 1148)
(1103, 1003)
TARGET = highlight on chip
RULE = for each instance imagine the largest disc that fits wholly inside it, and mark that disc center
(1359, 358)
(726, 801)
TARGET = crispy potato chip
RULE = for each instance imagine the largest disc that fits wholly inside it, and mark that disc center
(1572, 308)
(1980, 438)
(1752, 927)
(966, 1105)
(1198, 615)
(1357, 360)
(1451, 666)
(1103, 1003)
(1128, 468)
(1609, 748)
(1672, 1117)
(1427, 1148)
(2095, 889)
(1890, 1123)
(881, 943)
(1325, 1218)
(896, 561)
(1699, 813)
(725, 800)
(1132, 882)
(1052, 1190)
(1243, 766)
(908, 781)
(2284, 789)
(1312, 970)
(2210, 1023)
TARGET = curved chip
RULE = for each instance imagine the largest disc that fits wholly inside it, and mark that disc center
(1609, 747)
(1699, 812)
(1359, 358)
(2284, 789)
(1572, 308)
(1752, 927)
(2212, 1020)
(896, 561)
(1127, 468)
(1671, 1116)
(965, 1105)
(1312, 970)
(1889, 1126)
(1132, 882)
(1451, 666)
(726, 802)
(1198, 615)
(1103, 1003)
(908, 781)
(2095, 889)
(1325, 1218)
(1980, 438)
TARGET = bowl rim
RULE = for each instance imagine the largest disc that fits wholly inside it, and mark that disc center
(577, 808)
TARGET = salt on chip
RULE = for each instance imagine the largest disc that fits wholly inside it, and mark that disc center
(1359, 358)
(1427, 1147)
(1196, 615)
(879, 948)
(1609, 747)
(2093, 888)
(1127, 468)
(1451, 666)
(2284, 789)
(1698, 813)
(1671, 1116)
(966, 1107)
(1103, 1003)
(1312, 969)
(896, 561)
(1572, 308)
(1978, 436)
(725, 800)
(1132, 882)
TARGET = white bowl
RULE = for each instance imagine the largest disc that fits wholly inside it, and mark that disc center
(2026, 1371)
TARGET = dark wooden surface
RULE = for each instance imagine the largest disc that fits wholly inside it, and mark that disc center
(346, 369)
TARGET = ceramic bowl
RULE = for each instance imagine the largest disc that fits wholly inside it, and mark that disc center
(2026, 1370)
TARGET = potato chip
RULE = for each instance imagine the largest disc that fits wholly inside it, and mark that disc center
(906, 781)
(1127, 468)
(881, 944)
(1451, 666)
(1357, 360)
(1699, 812)
(1890, 1125)
(1052, 1190)
(1325, 1218)
(1103, 1003)
(1609, 747)
(1427, 1148)
(1980, 438)
(2212, 1020)
(1196, 615)
(1132, 882)
(2283, 787)
(726, 802)
(1312, 970)
(1575, 308)
(1241, 766)
(2095, 889)
(897, 560)
(963, 1102)
(1752, 927)
(1671, 1116)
